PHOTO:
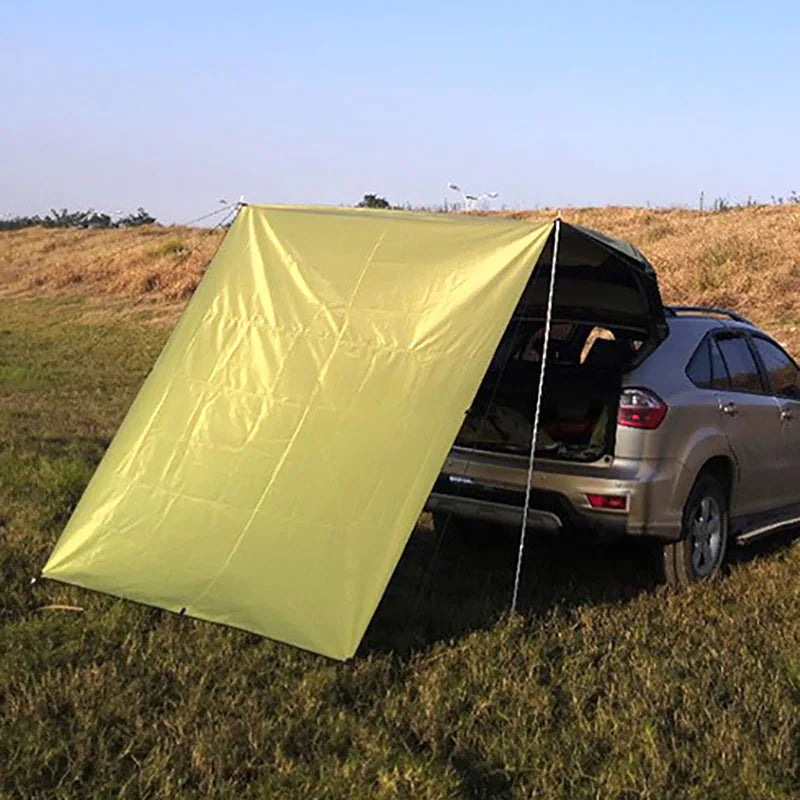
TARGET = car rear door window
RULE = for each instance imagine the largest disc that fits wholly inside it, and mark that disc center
(719, 372)
(742, 369)
(781, 370)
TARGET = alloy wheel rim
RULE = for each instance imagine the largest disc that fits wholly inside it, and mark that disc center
(706, 535)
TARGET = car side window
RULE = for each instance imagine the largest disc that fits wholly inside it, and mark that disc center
(699, 367)
(781, 370)
(706, 368)
(742, 369)
(719, 372)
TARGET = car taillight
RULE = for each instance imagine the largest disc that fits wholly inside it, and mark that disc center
(641, 408)
(617, 502)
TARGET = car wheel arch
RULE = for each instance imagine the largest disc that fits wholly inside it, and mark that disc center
(722, 467)
(706, 450)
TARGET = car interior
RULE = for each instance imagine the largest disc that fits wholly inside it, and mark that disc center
(581, 391)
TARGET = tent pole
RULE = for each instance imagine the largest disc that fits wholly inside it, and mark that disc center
(534, 432)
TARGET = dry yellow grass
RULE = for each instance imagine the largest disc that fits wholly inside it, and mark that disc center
(149, 262)
(745, 259)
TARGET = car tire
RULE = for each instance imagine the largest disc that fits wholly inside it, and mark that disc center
(698, 554)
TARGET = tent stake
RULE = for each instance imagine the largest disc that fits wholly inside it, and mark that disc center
(534, 432)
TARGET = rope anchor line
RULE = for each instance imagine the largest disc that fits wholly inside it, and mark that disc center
(534, 432)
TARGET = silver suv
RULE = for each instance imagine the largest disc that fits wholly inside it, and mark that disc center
(689, 436)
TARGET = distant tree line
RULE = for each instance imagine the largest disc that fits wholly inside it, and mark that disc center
(78, 219)
(373, 201)
(377, 201)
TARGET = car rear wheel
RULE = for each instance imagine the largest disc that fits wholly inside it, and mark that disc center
(699, 553)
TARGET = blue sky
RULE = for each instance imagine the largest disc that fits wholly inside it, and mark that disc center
(172, 105)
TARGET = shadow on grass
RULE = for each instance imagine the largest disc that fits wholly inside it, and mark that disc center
(445, 587)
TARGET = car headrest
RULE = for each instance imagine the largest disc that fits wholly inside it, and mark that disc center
(604, 353)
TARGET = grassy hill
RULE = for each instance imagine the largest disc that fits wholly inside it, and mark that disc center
(604, 686)
(746, 259)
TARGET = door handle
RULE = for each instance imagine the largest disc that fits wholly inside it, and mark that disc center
(786, 414)
(728, 408)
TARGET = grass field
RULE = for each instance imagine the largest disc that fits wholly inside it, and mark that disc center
(603, 687)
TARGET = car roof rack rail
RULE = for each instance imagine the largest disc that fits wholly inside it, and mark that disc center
(723, 312)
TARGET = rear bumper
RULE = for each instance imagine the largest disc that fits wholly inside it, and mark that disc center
(493, 512)
(491, 486)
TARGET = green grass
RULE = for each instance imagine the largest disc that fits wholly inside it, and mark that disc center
(604, 687)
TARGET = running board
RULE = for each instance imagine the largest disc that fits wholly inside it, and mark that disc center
(764, 530)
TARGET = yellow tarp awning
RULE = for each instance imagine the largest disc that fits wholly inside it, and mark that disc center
(274, 463)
